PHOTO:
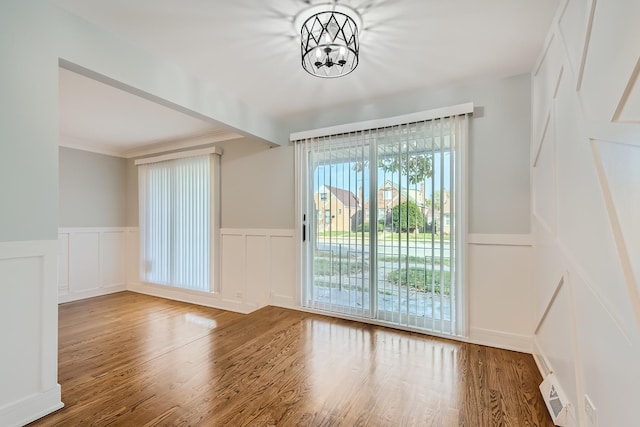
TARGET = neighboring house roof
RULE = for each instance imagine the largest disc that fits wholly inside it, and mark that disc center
(346, 197)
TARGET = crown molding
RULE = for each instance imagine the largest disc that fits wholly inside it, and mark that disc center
(148, 149)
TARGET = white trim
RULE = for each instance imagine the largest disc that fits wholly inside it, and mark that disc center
(487, 337)
(162, 147)
(28, 248)
(376, 322)
(92, 147)
(179, 155)
(194, 297)
(436, 113)
(544, 367)
(68, 230)
(585, 46)
(47, 396)
(148, 149)
(499, 339)
(282, 301)
(90, 293)
(552, 300)
(618, 236)
(500, 239)
(31, 408)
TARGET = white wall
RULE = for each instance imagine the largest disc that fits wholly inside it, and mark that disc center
(95, 261)
(585, 156)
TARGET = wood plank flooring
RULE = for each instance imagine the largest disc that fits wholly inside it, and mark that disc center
(132, 360)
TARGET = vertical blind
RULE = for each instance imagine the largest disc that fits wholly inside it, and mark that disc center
(381, 207)
(175, 222)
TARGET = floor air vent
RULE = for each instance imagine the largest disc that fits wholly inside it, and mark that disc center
(555, 400)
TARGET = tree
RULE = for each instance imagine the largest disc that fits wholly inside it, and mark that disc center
(436, 198)
(406, 216)
(417, 167)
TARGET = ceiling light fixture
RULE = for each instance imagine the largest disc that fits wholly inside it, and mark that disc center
(329, 39)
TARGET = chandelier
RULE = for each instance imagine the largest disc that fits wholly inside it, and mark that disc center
(329, 40)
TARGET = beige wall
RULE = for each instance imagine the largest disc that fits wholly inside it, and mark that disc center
(256, 186)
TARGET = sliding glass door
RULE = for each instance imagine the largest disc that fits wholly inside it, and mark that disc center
(380, 216)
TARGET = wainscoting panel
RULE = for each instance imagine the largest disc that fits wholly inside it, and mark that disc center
(283, 286)
(29, 370)
(585, 223)
(499, 275)
(258, 266)
(112, 258)
(234, 266)
(93, 261)
(84, 265)
(63, 262)
(257, 261)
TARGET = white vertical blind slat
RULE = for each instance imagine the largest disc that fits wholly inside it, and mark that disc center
(406, 274)
(175, 216)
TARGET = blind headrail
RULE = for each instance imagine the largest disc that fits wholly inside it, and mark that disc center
(179, 155)
(421, 116)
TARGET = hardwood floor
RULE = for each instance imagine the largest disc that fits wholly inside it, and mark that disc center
(132, 360)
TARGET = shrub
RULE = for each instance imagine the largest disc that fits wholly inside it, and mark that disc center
(406, 216)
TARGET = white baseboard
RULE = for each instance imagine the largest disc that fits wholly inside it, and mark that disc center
(541, 359)
(504, 340)
(194, 297)
(31, 408)
(90, 293)
(283, 301)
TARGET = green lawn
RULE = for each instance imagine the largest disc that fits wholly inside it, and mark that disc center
(421, 279)
(327, 267)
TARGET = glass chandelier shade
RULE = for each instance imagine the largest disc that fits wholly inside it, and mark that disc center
(329, 43)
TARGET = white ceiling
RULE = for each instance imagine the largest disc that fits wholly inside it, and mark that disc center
(250, 48)
(96, 116)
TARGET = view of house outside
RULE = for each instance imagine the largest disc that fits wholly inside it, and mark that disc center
(413, 251)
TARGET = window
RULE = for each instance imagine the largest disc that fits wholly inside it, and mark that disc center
(323, 196)
(178, 221)
(403, 272)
